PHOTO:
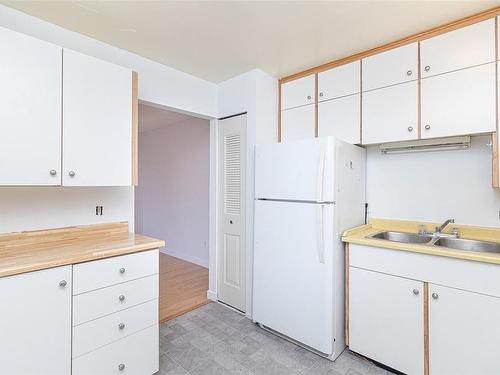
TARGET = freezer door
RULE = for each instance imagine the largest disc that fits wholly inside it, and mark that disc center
(293, 271)
(299, 170)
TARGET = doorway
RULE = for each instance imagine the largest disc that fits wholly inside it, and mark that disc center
(172, 203)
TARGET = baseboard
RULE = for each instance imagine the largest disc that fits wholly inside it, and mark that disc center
(187, 258)
(211, 295)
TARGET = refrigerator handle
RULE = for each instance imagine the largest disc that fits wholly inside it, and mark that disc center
(320, 233)
(321, 172)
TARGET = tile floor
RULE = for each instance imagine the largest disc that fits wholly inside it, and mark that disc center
(216, 340)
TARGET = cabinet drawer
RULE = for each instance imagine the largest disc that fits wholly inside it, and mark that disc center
(92, 305)
(138, 354)
(100, 332)
(102, 273)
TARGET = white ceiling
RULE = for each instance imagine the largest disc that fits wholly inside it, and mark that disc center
(151, 118)
(217, 40)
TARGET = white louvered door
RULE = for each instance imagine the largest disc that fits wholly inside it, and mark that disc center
(231, 254)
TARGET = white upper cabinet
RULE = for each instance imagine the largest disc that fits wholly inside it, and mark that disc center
(390, 114)
(298, 92)
(30, 118)
(391, 67)
(97, 122)
(458, 49)
(339, 81)
(459, 103)
(297, 123)
(341, 118)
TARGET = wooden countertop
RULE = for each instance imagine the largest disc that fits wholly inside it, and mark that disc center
(36, 250)
(359, 236)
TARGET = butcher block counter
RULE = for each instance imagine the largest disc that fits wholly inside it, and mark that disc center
(22, 252)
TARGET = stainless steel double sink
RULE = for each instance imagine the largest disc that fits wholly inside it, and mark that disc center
(440, 241)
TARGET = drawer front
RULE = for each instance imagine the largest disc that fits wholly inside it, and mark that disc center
(105, 272)
(96, 304)
(100, 332)
(138, 354)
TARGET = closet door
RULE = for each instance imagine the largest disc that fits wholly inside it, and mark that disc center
(30, 118)
(97, 122)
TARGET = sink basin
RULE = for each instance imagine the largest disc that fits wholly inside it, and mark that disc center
(402, 237)
(470, 245)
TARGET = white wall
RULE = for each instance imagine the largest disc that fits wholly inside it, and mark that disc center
(434, 186)
(256, 93)
(172, 199)
(31, 208)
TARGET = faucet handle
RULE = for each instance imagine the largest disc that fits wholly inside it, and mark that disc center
(455, 232)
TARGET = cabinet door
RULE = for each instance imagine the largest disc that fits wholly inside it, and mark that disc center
(298, 92)
(297, 123)
(30, 119)
(97, 122)
(340, 81)
(391, 67)
(458, 49)
(386, 319)
(390, 114)
(341, 118)
(461, 102)
(464, 334)
(35, 323)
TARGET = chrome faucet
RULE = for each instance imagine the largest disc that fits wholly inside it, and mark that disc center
(444, 225)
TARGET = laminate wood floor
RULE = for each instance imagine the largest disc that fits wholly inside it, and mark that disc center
(183, 286)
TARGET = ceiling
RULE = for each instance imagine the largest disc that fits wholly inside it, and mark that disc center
(217, 40)
(151, 118)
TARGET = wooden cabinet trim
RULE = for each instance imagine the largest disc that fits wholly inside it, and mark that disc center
(135, 128)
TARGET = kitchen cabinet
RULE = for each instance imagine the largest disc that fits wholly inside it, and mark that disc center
(390, 114)
(298, 123)
(388, 309)
(30, 119)
(97, 122)
(35, 322)
(459, 103)
(298, 92)
(460, 321)
(341, 118)
(391, 67)
(339, 81)
(462, 48)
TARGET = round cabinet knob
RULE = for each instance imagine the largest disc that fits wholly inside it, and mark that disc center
(410, 128)
(121, 367)
(416, 292)
(435, 295)
(122, 270)
(121, 325)
(409, 73)
(308, 97)
(63, 283)
(71, 173)
(53, 172)
(427, 68)
(320, 94)
(427, 127)
(121, 298)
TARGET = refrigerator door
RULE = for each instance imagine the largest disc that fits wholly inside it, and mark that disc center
(293, 271)
(297, 171)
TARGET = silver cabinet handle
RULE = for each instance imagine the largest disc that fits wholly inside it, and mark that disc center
(62, 283)
(121, 367)
(427, 127)
(410, 128)
(71, 173)
(308, 97)
(435, 295)
(427, 68)
(121, 325)
(122, 270)
(416, 292)
(320, 94)
(53, 172)
(121, 298)
(409, 73)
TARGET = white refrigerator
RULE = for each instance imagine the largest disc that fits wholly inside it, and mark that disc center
(306, 194)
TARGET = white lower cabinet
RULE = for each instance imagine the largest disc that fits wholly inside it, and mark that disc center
(464, 332)
(298, 123)
(386, 317)
(35, 323)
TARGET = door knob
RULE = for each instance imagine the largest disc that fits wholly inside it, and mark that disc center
(121, 298)
(410, 128)
(71, 173)
(409, 73)
(435, 295)
(122, 270)
(427, 127)
(62, 283)
(416, 292)
(121, 325)
(53, 172)
(121, 367)
(427, 68)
